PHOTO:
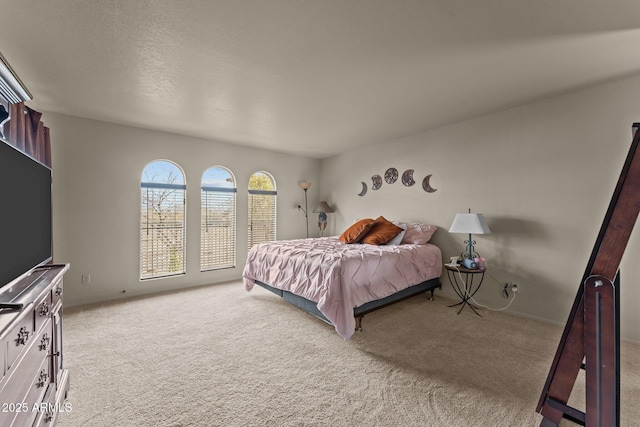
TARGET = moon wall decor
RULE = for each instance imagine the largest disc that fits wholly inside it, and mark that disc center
(407, 178)
(426, 186)
(364, 189)
(391, 175)
(377, 182)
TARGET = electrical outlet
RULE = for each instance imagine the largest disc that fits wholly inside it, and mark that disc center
(505, 291)
(508, 286)
(86, 279)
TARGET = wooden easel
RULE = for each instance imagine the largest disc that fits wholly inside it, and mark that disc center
(592, 332)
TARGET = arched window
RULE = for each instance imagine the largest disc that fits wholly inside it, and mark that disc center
(262, 208)
(218, 219)
(162, 220)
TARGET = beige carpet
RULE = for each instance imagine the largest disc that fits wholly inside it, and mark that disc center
(219, 356)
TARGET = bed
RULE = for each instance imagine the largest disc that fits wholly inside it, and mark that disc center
(341, 282)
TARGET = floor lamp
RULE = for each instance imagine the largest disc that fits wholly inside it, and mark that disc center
(305, 185)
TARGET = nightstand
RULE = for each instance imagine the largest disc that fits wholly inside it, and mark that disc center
(465, 283)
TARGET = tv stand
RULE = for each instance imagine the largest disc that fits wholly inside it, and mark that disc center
(33, 381)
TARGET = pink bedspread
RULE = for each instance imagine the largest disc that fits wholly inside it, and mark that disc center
(339, 276)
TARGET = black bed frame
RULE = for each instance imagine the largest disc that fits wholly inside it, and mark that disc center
(358, 312)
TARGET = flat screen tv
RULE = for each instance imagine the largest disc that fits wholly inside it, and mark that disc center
(25, 214)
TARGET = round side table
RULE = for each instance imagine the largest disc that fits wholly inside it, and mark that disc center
(465, 282)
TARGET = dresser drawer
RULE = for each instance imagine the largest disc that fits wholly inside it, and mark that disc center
(37, 387)
(56, 293)
(17, 384)
(42, 310)
(19, 338)
(3, 366)
(48, 410)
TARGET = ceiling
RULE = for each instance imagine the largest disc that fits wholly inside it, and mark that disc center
(311, 77)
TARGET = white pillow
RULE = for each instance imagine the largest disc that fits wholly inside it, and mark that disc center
(398, 239)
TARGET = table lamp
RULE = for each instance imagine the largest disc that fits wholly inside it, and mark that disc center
(322, 210)
(469, 223)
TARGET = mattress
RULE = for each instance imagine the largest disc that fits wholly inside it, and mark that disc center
(339, 276)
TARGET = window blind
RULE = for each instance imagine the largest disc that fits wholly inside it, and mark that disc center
(262, 216)
(218, 228)
(162, 230)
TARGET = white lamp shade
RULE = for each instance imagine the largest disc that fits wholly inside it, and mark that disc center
(469, 223)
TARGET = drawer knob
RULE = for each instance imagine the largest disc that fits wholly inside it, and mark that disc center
(44, 308)
(45, 342)
(42, 380)
(23, 336)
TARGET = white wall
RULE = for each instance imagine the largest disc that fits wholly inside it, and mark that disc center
(96, 184)
(543, 176)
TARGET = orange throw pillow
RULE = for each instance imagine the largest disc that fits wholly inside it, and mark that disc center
(382, 232)
(357, 231)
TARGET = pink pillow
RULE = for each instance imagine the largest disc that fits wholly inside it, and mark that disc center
(418, 234)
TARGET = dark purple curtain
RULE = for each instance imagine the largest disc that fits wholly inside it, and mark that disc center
(26, 132)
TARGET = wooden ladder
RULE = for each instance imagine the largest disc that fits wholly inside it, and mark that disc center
(591, 336)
